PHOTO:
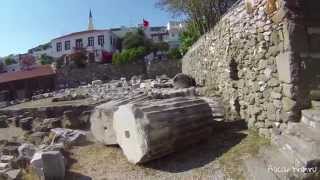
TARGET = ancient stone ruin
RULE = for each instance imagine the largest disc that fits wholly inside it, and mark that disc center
(262, 58)
(260, 64)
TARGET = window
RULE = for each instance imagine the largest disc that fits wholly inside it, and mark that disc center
(79, 43)
(111, 40)
(101, 40)
(59, 46)
(67, 45)
(90, 41)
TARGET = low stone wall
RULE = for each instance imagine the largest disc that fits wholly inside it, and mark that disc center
(71, 76)
(168, 67)
(252, 59)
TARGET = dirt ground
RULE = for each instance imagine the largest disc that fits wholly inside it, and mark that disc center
(10, 133)
(217, 159)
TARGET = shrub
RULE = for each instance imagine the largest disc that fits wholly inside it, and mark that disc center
(129, 55)
(79, 58)
(188, 38)
(9, 61)
(45, 59)
(174, 54)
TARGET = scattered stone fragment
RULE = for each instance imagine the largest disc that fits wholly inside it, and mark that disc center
(27, 150)
(6, 158)
(183, 81)
(26, 123)
(4, 166)
(96, 83)
(69, 136)
(14, 174)
(37, 137)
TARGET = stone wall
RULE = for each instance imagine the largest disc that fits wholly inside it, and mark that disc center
(71, 76)
(252, 59)
(159, 67)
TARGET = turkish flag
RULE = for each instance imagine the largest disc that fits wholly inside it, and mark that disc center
(145, 23)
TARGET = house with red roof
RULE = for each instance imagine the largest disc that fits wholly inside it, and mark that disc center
(23, 84)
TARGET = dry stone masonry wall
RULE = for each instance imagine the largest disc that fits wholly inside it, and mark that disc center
(258, 59)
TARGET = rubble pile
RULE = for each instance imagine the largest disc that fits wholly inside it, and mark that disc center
(163, 113)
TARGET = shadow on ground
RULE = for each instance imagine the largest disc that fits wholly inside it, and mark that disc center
(101, 162)
(77, 176)
(226, 135)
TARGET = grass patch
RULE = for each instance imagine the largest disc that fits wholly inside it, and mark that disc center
(29, 174)
(231, 161)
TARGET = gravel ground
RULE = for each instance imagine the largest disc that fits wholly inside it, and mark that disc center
(202, 161)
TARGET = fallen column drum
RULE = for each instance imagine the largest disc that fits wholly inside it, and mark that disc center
(152, 129)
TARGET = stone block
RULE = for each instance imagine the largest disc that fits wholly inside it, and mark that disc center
(26, 123)
(4, 166)
(275, 95)
(6, 158)
(288, 104)
(3, 123)
(14, 174)
(288, 90)
(284, 67)
(53, 165)
(183, 81)
(153, 129)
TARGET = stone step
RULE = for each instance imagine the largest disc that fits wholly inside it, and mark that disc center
(299, 152)
(304, 132)
(216, 107)
(315, 104)
(315, 94)
(256, 169)
(311, 118)
(276, 162)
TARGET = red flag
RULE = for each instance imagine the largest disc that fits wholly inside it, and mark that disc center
(145, 23)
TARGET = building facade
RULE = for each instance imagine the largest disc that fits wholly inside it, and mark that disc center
(101, 43)
(95, 42)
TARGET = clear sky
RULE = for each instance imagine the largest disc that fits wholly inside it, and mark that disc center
(27, 23)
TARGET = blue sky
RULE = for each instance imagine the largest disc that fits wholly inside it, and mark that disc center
(28, 23)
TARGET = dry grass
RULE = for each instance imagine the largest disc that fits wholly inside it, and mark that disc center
(29, 174)
(231, 161)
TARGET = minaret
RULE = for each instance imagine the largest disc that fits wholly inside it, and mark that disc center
(90, 26)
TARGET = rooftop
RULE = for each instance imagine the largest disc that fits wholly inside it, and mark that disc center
(82, 32)
(27, 74)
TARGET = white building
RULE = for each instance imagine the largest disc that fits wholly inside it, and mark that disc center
(94, 41)
(123, 30)
(174, 28)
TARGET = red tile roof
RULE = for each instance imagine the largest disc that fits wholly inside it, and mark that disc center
(81, 32)
(27, 74)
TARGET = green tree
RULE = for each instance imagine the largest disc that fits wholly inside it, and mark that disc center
(45, 59)
(175, 54)
(203, 14)
(129, 55)
(134, 40)
(188, 38)
(9, 61)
